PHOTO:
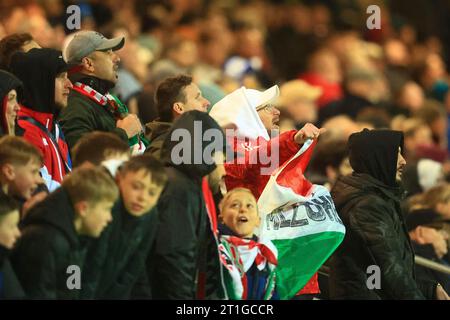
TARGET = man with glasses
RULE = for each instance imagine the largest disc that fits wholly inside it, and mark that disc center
(269, 115)
(90, 106)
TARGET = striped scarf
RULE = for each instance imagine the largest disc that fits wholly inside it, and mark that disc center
(115, 107)
(238, 255)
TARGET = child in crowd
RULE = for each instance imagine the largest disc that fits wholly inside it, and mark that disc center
(122, 251)
(10, 287)
(20, 162)
(250, 261)
(100, 148)
(55, 234)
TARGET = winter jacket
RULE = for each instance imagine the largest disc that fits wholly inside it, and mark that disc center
(84, 115)
(368, 203)
(185, 243)
(48, 246)
(157, 133)
(38, 69)
(57, 162)
(117, 260)
(8, 82)
(10, 287)
(376, 235)
(96, 112)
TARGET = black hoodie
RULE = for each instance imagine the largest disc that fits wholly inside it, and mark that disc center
(48, 246)
(38, 69)
(191, 131)
(375, 152)
(368, 202)
(184, 241)
(8, 82)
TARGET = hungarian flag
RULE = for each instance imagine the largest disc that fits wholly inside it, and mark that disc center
(301, 220)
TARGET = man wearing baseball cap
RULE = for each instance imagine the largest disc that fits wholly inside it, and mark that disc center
(91, 107)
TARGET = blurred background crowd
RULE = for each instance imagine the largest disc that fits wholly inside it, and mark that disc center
(332, 70)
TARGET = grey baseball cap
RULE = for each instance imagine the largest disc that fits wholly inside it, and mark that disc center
(84, 43)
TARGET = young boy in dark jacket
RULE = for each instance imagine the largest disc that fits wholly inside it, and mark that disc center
(56, 231)
(100, 148)
(122, 250)
(10, 287)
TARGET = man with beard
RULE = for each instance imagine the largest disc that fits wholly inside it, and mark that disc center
(91, 107)
(46, 88)
(368, 202)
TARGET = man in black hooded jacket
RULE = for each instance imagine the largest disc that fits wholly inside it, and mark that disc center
(368, 202)
(184, 262)
(46, 88)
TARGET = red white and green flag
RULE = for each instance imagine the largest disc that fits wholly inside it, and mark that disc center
(301, 220)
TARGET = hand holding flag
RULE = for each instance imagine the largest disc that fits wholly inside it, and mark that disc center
(309, 131)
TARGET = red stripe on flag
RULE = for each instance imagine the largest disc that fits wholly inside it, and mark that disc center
(292, 176)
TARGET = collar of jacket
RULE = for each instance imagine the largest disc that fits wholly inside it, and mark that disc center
(367, 182)
(46, 119)
(128, 221)
(102, 86)
(156, 129)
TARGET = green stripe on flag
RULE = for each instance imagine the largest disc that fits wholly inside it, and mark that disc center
(300, 258)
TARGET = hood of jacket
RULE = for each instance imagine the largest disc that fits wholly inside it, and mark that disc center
(37, 69)
(191, 142)
(57, 211)
(8, 82)
(235, 111)
(375, 152)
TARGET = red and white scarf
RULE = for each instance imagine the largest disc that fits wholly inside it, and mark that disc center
(238, 255)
